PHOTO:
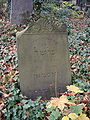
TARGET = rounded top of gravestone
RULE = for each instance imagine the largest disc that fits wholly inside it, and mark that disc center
(43, 26)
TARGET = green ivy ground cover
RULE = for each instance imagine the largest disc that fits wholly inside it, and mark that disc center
(15, 106)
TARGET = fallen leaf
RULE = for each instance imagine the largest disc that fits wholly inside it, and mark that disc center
(59, 102)
(65, 118)
(20, 104)
(21, 96)
(70, 103)
(83, 117)
(5, 95)
(28, 114)
(1, 106)
(15, 30)
(74, 89)
(73, 116)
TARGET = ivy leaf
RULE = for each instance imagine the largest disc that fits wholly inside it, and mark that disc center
(26, 106)
(76, 109)
(51, 117)
(24, 101)
(50, 109)
(54, 115)
(83, 117)
(73, 88)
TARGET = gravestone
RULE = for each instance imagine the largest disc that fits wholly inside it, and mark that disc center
(43, 59)
(20, 11)
(74, 2)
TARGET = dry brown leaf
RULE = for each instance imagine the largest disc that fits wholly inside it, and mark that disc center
(1, 106)
(28, 114)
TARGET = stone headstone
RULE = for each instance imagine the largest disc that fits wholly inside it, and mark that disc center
(20, 11)
(43, 59)
(74, 2)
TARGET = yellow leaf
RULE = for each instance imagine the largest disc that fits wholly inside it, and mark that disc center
(73, 116)
(74, 89)
(53, 102)
(83, 117)
(15, 30)
(65, 118)
(70, 103)
(58, 102)
(61, 106)
(63, 99)
(12, 72)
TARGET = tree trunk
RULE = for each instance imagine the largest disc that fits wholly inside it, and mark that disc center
(20, 11)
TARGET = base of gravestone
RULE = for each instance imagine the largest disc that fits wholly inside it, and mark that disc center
(45, 93)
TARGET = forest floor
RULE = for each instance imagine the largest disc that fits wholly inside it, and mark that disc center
(78, 39)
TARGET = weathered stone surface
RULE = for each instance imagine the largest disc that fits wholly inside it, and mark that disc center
(20, 11)
(43, 59)
(74, 2)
